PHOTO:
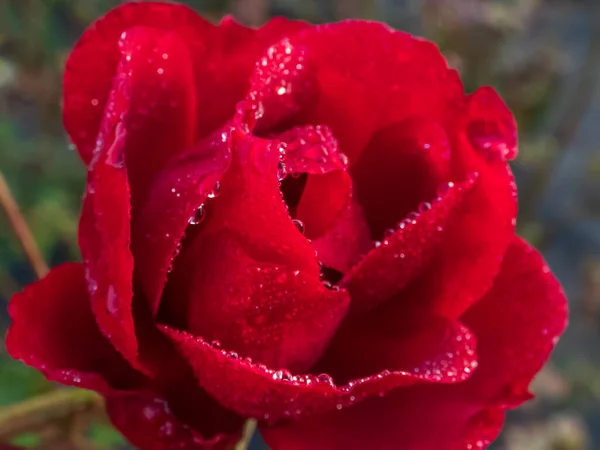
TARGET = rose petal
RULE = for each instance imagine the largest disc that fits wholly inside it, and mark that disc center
(394, 77)
(104, 231)
(468, 260)
(149, 423)
(177, 197)
(256, 391)
(516, 324)
(54, 329)
(492, 129)
(161, 113)
(94, 62)
(482, 429)
(368, 345)
(402, 166)
(344, 243)
(328, 188)
(405, 252)
(276, 315)
(282, 85)
(519, 320)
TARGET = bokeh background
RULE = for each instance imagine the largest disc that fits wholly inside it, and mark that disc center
(542, 55)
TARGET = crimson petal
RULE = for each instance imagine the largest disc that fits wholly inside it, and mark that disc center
(92, 65)
(386, 88)
(516, 324)
(104, 230)
(411, 159)
(274, 314)
(149, 423)
(177, 195)
(345, 242)
(527, 300)
(406, 251)
(60, 302)
(257, 391)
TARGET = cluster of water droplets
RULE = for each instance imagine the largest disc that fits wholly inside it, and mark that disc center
(444, 368)
(412, 218)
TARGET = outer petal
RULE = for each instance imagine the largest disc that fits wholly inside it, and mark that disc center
(94, 62)
(149, 423)
(517, 325)
(520, 320)
(396, 76)
(223, 57)
(257, 391)
(54, 331)
(104, 230)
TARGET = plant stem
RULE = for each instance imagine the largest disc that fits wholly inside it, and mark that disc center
(249, 428)
(43, 410)
(21, 229)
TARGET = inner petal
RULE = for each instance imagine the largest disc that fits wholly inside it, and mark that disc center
(402, 165)
(276, 315)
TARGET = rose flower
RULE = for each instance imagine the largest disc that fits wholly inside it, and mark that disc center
(312, 226)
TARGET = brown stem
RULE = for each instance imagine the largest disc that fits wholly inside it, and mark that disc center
(38, 412)
(21, 229)
(249, 428)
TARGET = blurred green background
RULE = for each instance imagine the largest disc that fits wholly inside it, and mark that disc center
(542, 55)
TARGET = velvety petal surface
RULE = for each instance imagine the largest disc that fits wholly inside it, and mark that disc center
(274, 314)
(516, 324)
(104, 227)
(402, 165)
(395, 77)
(55, 331)
(176, 199)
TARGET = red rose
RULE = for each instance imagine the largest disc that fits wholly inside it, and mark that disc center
(308, 225)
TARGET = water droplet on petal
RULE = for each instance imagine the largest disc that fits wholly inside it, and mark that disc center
(281, 171)
(216, 345)
(215, 190)
(324, 378)
(444, 189)
(299, 225)
(425, 206)
(198, 216)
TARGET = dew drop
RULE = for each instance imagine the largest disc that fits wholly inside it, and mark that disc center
(216, 345)
(324, 378)
(198, 216)
(299, 225)
(425, 206)
(283, 375)
(281, 171)
(215, 190)
(444, 189)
